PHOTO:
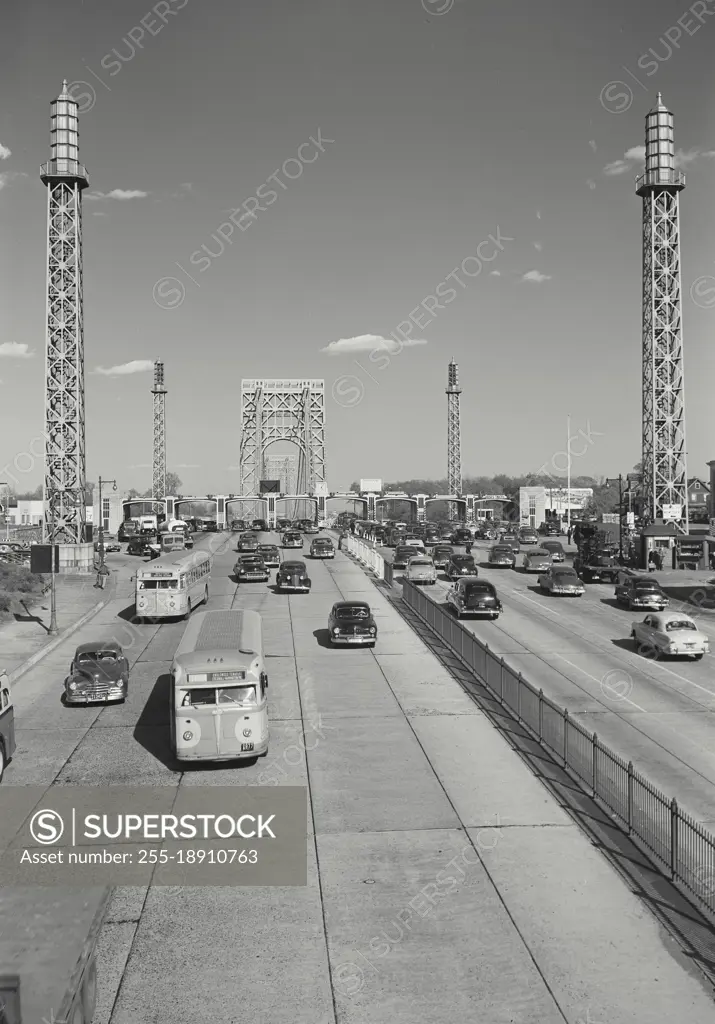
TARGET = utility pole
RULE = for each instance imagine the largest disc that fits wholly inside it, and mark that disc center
(620, 513)
(101, 520)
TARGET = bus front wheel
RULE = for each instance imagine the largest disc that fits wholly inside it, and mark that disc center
(187, 614)
(206, 595)
(2, 760)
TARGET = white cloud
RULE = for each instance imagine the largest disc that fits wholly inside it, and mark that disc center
(99, 213)
(536, 275)
(4, 152)
(591, 183)
(592, 144)
(635, 153)
(16, 350)
(368, 343)
(139, 465)
(118, 193)
(7, 176)
(188, 465)
(617, 167)
(538, 214)
(135, 366)
(538, 246)
(495, 273)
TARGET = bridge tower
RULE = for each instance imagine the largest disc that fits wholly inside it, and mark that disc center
(664, 454)
(454, 445)
(158, 476)
(282, 410)
(65, 469)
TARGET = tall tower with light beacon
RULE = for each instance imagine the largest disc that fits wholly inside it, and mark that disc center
(665, 489)
(454, 443)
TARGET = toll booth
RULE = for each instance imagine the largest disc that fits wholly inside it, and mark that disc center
(660, 537)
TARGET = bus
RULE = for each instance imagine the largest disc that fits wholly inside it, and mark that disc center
(7, 723)
(171, 586)
(218, 695)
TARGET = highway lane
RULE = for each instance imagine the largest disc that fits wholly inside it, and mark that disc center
(657, 713)
(391, 750)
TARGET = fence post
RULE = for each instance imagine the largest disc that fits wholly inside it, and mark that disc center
(501, 679)
(594, 766)
(674, 821)
(630, 797)
(541, 715)
(566, 736)
(519, 685)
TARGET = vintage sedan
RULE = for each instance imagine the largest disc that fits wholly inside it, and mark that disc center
(322, 547)
(441, 555)
(110, 544)
(511, 540)
(502, 556)
(247, 542)
(670, 633)
(472, 596)
(636, 591)
(538, 560)
(99, 673)
(139, 545)
(402, 555)
(421, 570)
(292, 539)
(527, 535)
(293, 576)
(309, 527)
(238, 525)
(251, 569)
(560, 579)
(413, 540)
(555, 549)
(461, 565)
(270, 555)
(351, 622)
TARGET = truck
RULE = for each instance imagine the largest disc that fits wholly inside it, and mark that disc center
(597, 557)
(48, 966)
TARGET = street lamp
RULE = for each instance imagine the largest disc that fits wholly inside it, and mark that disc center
(101, 519)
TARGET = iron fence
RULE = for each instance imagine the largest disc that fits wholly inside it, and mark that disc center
(674, 839)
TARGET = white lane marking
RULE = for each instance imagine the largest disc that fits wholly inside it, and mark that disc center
(539, 605)
(583, 670)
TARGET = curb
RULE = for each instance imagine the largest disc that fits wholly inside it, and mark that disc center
(54, 643)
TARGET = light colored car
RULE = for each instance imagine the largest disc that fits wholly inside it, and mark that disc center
(421, 570)
(413, 542)
(670, 633)
(528, 536)
(538, 560)
(560, 579)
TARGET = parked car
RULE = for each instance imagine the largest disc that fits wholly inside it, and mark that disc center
(292, 539)
(461, 565)
(322, 547)
(502, 556)
(421, 570)
(441, 555)
(636, 591)
(251, 568)
(270, 554)
(555, 549)
(351, 622)
(537, 560)
(99, 673)
(560, 579)
(470, 596)
(403, 553)
(670, 633)
(293, 576)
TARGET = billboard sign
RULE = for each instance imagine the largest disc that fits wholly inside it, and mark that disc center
(672, 513)
(371, 486)
(611, 517)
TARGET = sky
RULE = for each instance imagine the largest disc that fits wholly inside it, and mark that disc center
(402, 141)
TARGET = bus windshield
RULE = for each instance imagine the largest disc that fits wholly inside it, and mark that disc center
(236, 695)
(158, 584)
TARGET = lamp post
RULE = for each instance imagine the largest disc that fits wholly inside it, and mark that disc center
(53, 630)
(101, 519)
(620, 512)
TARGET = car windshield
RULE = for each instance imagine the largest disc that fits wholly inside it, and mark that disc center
(322, 543)
(646, 585)
(420, 561)
(241, 695)
(352, 612)
(566, 574)
(677, 624)
(478, 588)
(91, 657)
(553, 545)
(503, 550)
(293, 567)
(463, 560)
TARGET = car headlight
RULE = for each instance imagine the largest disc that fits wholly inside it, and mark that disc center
(373, 630)
(672, 648)
(73, 686)
(336, 630)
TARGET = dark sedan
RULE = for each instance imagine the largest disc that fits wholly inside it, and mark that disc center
(474, 597)
(502, 555)
(99, 673)
(403, 553)
(251, 568)
(322, 547)
(351, 622)
(442, 555)
(270, 555)
(461, 565)
(293, 576)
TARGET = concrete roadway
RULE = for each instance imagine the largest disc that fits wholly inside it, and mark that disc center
(659, 714)
(445, 883)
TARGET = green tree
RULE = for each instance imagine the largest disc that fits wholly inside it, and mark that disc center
(173, 483)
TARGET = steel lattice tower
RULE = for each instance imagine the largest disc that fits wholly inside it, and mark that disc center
(65, 471)
(282, 410)
(158, 476)
(664, 455)
(454, 444)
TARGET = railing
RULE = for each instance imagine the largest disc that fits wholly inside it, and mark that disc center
(366, 555)
(671, 835)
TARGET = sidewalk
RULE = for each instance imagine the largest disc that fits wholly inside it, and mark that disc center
(26, 638)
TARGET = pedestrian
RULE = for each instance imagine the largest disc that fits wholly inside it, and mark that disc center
(468, 547)
(651, 561)
(658, 560)
(102, 573)
(352, 527)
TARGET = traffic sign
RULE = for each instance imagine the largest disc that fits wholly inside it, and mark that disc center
(672, 512)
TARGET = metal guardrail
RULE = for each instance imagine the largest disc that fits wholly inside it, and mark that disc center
(671, 835)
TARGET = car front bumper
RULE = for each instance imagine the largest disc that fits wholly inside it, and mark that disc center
(90, 697)
(422, 579)
(253, 577)
(322, 554)
(347, 640)
(569, 591)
